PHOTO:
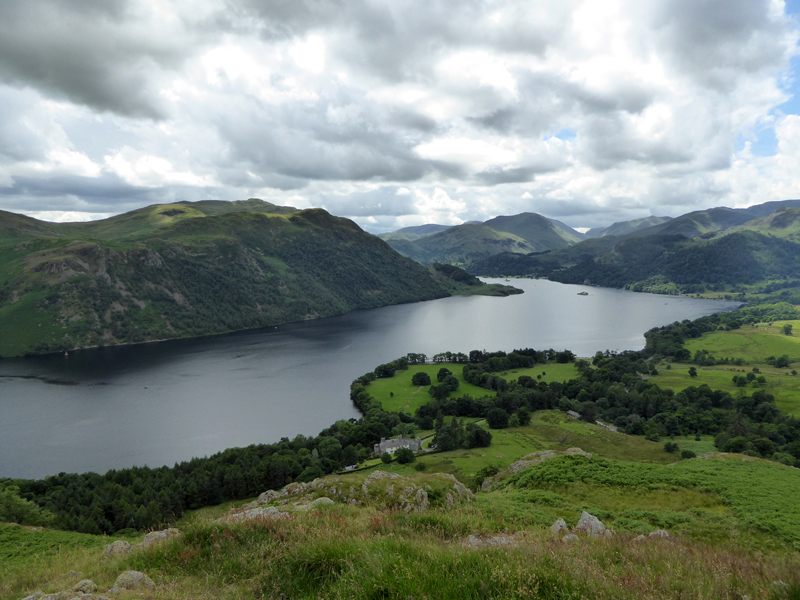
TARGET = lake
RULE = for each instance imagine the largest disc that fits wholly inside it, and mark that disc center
(161, 403)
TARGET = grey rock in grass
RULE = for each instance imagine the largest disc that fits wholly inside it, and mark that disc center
(639, 538)
(590, 525)
(268, 496)
(118, 548)
(659, 533)
(559, 527)
(157, 537)
(85, 586)
(490, 541)
(267, 512)
(37, 595)
(318, 503)
(132, 580)
(569, 538)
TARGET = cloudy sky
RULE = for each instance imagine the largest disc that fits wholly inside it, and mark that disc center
(400, 112)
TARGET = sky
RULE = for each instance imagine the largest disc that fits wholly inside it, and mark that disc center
(398, 112)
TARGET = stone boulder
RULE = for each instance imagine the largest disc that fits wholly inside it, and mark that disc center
(490, 541)
(132, 580)
(590, 525)
(659, 533)
(118, 548)
(318, 503)
(158, 537)
(559, 527)
(86, 586)
(251, 514)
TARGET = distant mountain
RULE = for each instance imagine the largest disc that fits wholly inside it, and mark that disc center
(470, 242)
(783, 223)
(189, 269)
(413, 233)
(539, 232)
(719, 246)
(625, 227)
(714, 220)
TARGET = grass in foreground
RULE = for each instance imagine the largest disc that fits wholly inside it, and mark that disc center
(346, 552)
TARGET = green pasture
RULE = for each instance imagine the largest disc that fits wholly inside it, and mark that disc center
(735, 499)
(780, 383)
(397, 394)
(548, 430)
(753, 344)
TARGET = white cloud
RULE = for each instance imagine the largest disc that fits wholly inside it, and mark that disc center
(397, 112)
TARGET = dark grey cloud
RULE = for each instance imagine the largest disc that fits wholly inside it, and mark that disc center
(715, 41)
(105, 194)
(100, 54)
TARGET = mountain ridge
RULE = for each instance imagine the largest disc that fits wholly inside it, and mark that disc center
(190, 269)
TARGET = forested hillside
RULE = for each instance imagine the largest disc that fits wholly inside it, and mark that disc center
(190, 269)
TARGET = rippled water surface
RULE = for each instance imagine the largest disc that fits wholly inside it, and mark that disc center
(156, 404)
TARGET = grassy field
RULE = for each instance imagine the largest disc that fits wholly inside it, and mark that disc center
(30, 556)
(548, 430)
(398, 394)
(753, 345)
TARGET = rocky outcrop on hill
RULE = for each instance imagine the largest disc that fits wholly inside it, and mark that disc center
(530, 460)
(120, 547)
(386, 491)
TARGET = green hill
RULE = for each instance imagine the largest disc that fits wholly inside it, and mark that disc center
(471, 242)
(413, 233)
(626, 227)
(189, 269)
(711, 249)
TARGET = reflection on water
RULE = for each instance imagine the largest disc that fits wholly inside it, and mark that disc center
(156, 404)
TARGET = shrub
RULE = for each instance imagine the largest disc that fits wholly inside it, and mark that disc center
(688, 454)
(671, 447)
(386, 458)
(405, 456)
(421, 378)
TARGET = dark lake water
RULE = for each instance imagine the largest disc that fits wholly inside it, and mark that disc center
(157, 404)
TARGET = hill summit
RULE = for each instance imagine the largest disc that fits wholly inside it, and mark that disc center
(189, 269)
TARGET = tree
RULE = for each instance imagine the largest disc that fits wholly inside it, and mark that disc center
(421, 378)
(692, 372)
(386, 458)
(477, 437)
(524, 415)
(405, 456)
(386, 370)
(497, 418)
(787, 329)
(349, 456)
(440, 376)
